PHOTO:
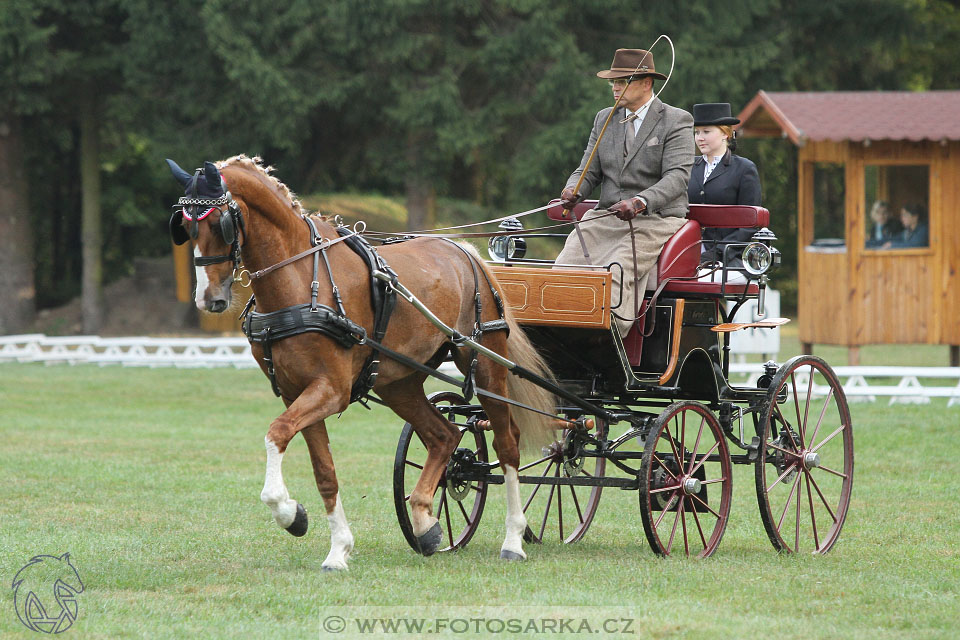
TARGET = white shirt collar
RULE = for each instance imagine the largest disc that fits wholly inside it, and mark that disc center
(641, 112)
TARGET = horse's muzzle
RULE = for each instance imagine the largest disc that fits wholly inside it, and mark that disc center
(218, 305)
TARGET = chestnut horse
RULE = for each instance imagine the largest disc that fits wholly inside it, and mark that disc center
(314, 373)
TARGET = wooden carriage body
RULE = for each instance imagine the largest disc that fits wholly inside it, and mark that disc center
(671, 350)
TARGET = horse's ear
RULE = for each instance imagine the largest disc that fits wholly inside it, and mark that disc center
(212, 175)
(182, 176)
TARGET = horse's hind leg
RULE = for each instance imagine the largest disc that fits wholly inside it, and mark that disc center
(341, 540)
(506, 439)
(440, 438)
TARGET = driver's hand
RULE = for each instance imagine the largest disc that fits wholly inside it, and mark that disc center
(629, 209)
(569, 199)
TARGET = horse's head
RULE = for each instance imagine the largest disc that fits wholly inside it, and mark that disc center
(208, 214)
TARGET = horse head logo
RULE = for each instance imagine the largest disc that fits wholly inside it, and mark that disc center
(45, 593)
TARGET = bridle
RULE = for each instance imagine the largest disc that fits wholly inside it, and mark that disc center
(189, 208)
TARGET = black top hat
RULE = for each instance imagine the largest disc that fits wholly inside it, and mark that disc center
(713, 113)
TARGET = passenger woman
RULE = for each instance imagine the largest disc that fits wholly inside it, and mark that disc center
(721, 177)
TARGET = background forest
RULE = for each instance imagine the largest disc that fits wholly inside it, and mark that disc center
(487, 102)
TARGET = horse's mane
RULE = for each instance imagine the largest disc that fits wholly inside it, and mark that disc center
(256, 165)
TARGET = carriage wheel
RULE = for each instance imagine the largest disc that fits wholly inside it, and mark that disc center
(564, 512)
(685, 481)
(458, 504)
(804, 472)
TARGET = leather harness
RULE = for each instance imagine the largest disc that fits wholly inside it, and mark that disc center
(267, 328)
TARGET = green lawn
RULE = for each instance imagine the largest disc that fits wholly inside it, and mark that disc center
(151, 480)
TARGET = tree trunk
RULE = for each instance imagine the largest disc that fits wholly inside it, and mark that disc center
(18, 298)
(421, 199)
(91, 302)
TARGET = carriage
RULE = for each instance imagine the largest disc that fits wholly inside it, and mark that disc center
(654, 412)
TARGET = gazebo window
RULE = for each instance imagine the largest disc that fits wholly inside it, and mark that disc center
(897, 201)
(828, 204)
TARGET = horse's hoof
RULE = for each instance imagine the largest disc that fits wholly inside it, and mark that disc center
(299, 526)
(328, 569)
(512, 556)
(430, 541)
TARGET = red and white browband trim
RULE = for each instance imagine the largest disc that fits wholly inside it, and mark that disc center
(187, 216)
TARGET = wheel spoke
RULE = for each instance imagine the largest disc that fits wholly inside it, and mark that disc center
(786, 428)
(787, 504)
(696, 445)
(665, 467)
(704, 458)
(664, 511)
(673, 447)
(546, 511)
(813, 516)
(536, 488)
(796, 545)
(466, 516)
(828, 438)
(673, 530)
(696, 519)
(823, 412)
(715, 481)
(559, 506)
(662, 489)
(683, 523)
(534, 463)
(705, 505)
(822, 499)
(771, 445)
(683, 438)
(413, 464)
(576, 504)
(447, 513)
(806, 408)
(836, 473)
(782, 476)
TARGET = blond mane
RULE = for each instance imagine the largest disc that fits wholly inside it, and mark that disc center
(256, 164)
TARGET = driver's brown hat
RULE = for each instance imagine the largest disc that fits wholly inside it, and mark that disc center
(631, 62)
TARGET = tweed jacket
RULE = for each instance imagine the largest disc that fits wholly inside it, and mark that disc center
(656, 166)
(733, 181)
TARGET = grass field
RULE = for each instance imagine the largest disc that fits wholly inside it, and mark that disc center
(151, 480)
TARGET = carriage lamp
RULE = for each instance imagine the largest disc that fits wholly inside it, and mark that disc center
(759, 256)
(503, 248)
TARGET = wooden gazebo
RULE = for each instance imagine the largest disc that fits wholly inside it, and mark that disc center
(855, 149)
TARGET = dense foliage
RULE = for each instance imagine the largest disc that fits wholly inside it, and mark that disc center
(487, 101)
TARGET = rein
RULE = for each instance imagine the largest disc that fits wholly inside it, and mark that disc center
(326, 244)
(491, 234)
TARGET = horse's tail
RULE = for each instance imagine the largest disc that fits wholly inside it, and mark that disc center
(537, 428)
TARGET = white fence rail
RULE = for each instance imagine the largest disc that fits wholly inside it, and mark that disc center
(235, 352)
(908, 390)
(131, 352)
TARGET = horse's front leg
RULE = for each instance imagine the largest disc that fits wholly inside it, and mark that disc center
(341, 539)
(313, 405)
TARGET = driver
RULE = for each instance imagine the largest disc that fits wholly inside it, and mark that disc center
(642, 166)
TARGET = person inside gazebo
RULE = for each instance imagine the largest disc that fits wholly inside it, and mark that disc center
(915, 232)
(885, 227)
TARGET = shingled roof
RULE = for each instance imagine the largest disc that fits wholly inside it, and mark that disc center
(853, 115)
